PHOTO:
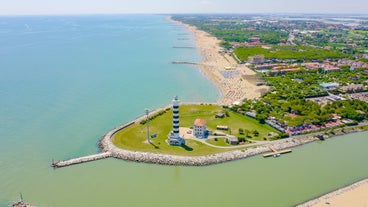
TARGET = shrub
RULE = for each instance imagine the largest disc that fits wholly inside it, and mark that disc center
(153, 116)
(241, 139)
(143, 122)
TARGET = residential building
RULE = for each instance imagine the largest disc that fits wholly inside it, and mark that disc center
(257, 59)
(223, 128)
(312, 65)
(283, 71)
(329, 86)
(233, 140)
(199, 128)
(352, 88)
(255, 39)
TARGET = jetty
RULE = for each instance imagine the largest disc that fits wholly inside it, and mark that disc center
(184, 47)
(21, 204)
(276, 152)
(80, 160)
(184, 62)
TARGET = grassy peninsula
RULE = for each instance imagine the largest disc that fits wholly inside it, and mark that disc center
(135, 137)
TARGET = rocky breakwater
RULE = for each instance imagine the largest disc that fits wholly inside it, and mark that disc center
(106, 145)
(79, 160)
(21, 204)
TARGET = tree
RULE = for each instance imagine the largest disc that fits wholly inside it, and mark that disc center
(255, 133)
(241, 139)
(261, 118)
(246, 131)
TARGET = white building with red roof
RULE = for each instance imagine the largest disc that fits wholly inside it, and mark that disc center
(199, 128)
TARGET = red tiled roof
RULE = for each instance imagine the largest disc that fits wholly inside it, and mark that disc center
(285, 70)
(200, 122)
(312, 65)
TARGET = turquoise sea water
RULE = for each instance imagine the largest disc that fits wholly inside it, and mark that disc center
(67, 80)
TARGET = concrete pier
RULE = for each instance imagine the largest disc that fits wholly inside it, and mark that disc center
(184, 62)
(184, 47)
(79, 160)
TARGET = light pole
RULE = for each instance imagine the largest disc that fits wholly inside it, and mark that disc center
(147, 121)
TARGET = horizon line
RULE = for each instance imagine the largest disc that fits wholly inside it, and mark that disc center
(188, 13)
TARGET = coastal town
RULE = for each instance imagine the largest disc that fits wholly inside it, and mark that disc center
(311, 75)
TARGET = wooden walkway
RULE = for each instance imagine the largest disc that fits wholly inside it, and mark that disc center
(275, 152)
(79, 160)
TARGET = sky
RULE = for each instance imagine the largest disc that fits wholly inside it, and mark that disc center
(22, 7)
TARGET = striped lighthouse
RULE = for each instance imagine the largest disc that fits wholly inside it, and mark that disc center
(176, 117)
(174, 137)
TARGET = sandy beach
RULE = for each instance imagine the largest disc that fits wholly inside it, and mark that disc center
(355, 195)
(235, 81)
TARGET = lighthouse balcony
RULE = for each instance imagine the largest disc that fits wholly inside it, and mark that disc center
(175, 140)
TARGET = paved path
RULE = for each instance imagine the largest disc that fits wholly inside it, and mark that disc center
(258, 143)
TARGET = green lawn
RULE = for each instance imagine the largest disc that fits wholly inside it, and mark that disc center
(134, 137)
(219, 142)
(289, 52)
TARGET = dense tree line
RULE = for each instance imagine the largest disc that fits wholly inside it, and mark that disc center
(299, 53)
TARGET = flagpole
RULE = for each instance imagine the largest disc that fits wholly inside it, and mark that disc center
(147, 121)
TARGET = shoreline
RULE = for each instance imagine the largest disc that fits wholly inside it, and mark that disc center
(339, 195)
(233, 84)
(106, 145)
